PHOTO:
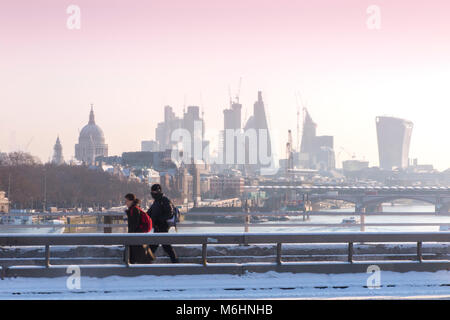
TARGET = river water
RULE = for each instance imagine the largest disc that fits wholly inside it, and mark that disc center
(210, 228)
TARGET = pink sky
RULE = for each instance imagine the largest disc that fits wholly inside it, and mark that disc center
(130, 58)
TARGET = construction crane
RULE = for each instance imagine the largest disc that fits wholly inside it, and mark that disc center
(342, 149)
(298, 122)
(236, 97)
(289, 153)
(28, 144)
(303, 106)
(238, 90)
(353, 156)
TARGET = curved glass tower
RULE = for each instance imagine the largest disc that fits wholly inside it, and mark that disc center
(394, 136)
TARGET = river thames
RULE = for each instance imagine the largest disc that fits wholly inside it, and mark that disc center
(335, 219)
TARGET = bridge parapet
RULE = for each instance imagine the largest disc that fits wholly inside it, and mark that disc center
(217, 239)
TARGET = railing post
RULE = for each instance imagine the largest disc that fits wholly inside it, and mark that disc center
(350, 252)
(47, 256)
(204, 254)
(107, 220)
(279, 254)
(419, 251)
(99, 222)
(127, 256)
(247, 221)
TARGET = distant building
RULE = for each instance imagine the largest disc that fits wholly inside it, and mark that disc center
(184, 184)
(192, 122)
(4, 203)
(164, 129)
(231, 121)
(111, 160)
(226, 186)
(149, 146)
(91, 142)
(316, 152)
(153, 177)
(258, 122)
(160, 161)
(354, 165)
(414, 166)
(58, 158)
(394, 136)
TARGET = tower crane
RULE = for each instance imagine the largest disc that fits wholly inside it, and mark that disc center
(353, 156)
(342, 149)
(303, 105)
(237, 93)
(238, 90)
(289, 153)
(28, 144)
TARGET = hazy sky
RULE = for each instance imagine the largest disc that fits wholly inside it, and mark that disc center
(130, 58)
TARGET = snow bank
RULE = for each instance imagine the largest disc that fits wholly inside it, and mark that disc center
(270, 285)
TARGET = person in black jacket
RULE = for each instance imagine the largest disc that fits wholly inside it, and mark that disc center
(158, 213)
(138, 253)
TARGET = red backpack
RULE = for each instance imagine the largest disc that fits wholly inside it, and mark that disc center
(145, 224)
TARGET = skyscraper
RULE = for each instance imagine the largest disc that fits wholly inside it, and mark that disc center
(309, 134)
(192, 122)
(259, 148)
(231, 121)
(164, 129)
(394, 136)
(316, 152)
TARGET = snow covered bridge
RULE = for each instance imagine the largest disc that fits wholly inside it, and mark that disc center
(103, 255)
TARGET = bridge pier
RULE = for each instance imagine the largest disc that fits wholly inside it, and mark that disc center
(442, 207)
(359, 209)
(315, 206)
(378, 207)
(307, 206)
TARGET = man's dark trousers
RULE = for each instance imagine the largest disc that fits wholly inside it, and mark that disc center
(167, 247)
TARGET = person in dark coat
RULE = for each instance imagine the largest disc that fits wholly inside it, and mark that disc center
(138, 253)
(157, 212)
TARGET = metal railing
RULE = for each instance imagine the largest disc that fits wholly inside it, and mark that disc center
(205, 240)
(107, 217)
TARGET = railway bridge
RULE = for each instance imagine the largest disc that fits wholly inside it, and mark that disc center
(365, 198)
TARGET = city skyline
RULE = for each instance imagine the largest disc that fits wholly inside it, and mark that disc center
(71, 155)
(131, 61)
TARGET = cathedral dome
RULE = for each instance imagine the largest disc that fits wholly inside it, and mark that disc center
(91, 143)
(92, 132)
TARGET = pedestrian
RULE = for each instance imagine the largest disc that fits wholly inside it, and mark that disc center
(138, 253)
(160, 211)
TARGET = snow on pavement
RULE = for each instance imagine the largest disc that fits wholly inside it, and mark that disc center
(270, 285)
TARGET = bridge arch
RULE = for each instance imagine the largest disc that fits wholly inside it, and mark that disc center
(399, 197)
(315, 199)
(445, 207)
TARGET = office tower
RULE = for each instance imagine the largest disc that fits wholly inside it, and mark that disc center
(316, 152)
(394, 136)
(231, 121)
(258, 122)
(192, 122)
(149, 146)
